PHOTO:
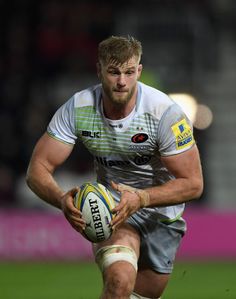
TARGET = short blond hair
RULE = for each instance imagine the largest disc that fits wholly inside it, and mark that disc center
(119, 49)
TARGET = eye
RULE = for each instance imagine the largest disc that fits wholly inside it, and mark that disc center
(130, 72)
(113, 72)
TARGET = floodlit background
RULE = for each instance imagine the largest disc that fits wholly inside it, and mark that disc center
(48, 52)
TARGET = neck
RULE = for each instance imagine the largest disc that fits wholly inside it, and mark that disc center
(118, 111)
(112, 111)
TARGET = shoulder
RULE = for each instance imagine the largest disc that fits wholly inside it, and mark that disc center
(87, 97)
(153, 101)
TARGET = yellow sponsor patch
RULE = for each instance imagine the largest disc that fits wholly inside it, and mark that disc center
(183, 134)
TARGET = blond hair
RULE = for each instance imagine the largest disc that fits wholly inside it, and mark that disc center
(119, 49)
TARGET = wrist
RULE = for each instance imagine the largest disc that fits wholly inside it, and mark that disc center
(60, 198)
(144, 197)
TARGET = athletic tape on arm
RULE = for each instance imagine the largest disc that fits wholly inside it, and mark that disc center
(143, 195)
(108, 255)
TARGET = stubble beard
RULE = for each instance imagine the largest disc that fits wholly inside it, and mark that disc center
(118, 101)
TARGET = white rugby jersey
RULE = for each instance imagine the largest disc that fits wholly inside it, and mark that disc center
(128, 150)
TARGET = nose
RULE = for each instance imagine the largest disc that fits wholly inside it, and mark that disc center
(121, 80)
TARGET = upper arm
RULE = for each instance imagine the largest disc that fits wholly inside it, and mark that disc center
(185, 165)
(50, 153)
(175, 132)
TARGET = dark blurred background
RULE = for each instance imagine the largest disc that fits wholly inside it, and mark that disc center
(48, 51)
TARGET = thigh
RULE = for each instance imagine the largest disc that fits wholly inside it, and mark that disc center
(124, 235)
(159, 242)
(120, 275)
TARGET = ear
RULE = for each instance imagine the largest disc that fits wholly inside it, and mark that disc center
(140, 68)
(98, 66)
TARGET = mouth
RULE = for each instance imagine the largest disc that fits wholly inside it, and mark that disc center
(120, 91)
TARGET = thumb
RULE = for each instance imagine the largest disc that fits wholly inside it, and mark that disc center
(74, 190)
(114, 186)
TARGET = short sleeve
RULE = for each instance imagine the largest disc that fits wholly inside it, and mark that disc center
(175, 132)
(62, 124)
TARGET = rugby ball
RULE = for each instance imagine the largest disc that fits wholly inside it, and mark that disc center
(95, 202)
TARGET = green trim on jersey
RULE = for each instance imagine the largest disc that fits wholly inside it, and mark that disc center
(169, 221)
(101, 140)
(58, 139)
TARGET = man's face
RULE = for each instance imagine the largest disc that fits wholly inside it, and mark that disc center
(119, 81)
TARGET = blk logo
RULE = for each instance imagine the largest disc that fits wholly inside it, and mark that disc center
(91, 134)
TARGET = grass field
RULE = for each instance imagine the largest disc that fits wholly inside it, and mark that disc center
(190, 280)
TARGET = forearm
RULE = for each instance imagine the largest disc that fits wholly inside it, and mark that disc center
(175, 192)
(40, 180)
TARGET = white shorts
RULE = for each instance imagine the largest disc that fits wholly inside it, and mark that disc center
(159, 241)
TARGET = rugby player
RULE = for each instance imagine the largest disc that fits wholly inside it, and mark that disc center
(144, 152)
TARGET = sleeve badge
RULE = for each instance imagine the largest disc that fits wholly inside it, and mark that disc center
(183, 134)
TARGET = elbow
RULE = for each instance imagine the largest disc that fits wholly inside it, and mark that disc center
(197, 189)
(28, 180)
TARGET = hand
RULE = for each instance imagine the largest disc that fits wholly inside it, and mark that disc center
(129, 204)
(72, 214)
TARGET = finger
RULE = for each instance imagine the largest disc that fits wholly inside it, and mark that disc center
(114, 186)
(118, 220)
(77, 220)
(119, 207)
(74, 210)
(71, 207)
(71, 215)
(73, 191)
(120, 216)
(77, 227)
